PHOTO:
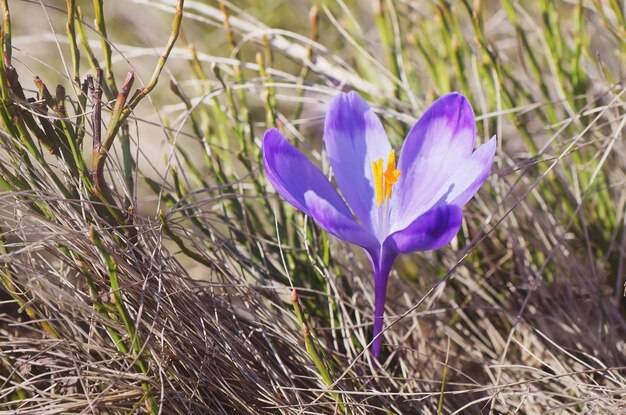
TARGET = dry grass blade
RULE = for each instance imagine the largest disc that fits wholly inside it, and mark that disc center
(163, 282)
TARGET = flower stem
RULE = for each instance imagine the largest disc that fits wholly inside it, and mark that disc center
(381, 276)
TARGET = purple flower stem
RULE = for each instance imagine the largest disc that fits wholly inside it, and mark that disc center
(380, 287)
(381, 265)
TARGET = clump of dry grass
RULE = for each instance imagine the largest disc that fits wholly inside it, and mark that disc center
(207, 346)
(112, 306)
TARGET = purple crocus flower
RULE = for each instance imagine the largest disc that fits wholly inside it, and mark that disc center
(386, 209)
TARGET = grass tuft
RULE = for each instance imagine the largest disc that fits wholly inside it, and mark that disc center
(148, 267)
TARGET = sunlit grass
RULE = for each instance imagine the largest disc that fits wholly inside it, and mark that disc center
(157, 272)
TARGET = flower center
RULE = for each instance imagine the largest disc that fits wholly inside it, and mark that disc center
(383, 183)
(384, 180)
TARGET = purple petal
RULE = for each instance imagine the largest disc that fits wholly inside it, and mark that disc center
(432, 230)
(470, 175)
(334, 221)
(303, 185)
(354, 138)
(433, 150)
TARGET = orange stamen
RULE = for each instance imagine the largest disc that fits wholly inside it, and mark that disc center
(384, 181)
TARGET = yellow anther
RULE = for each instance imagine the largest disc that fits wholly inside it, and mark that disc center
(391, 163)
(384, 181)
(377, 169)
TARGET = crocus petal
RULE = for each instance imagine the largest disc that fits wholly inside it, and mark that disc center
(433, 150)
(333, 221)
(303, 185)
(470, 175)
(432, 230)
(354, 138)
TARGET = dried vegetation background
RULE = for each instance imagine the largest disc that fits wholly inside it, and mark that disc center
(148, 267)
